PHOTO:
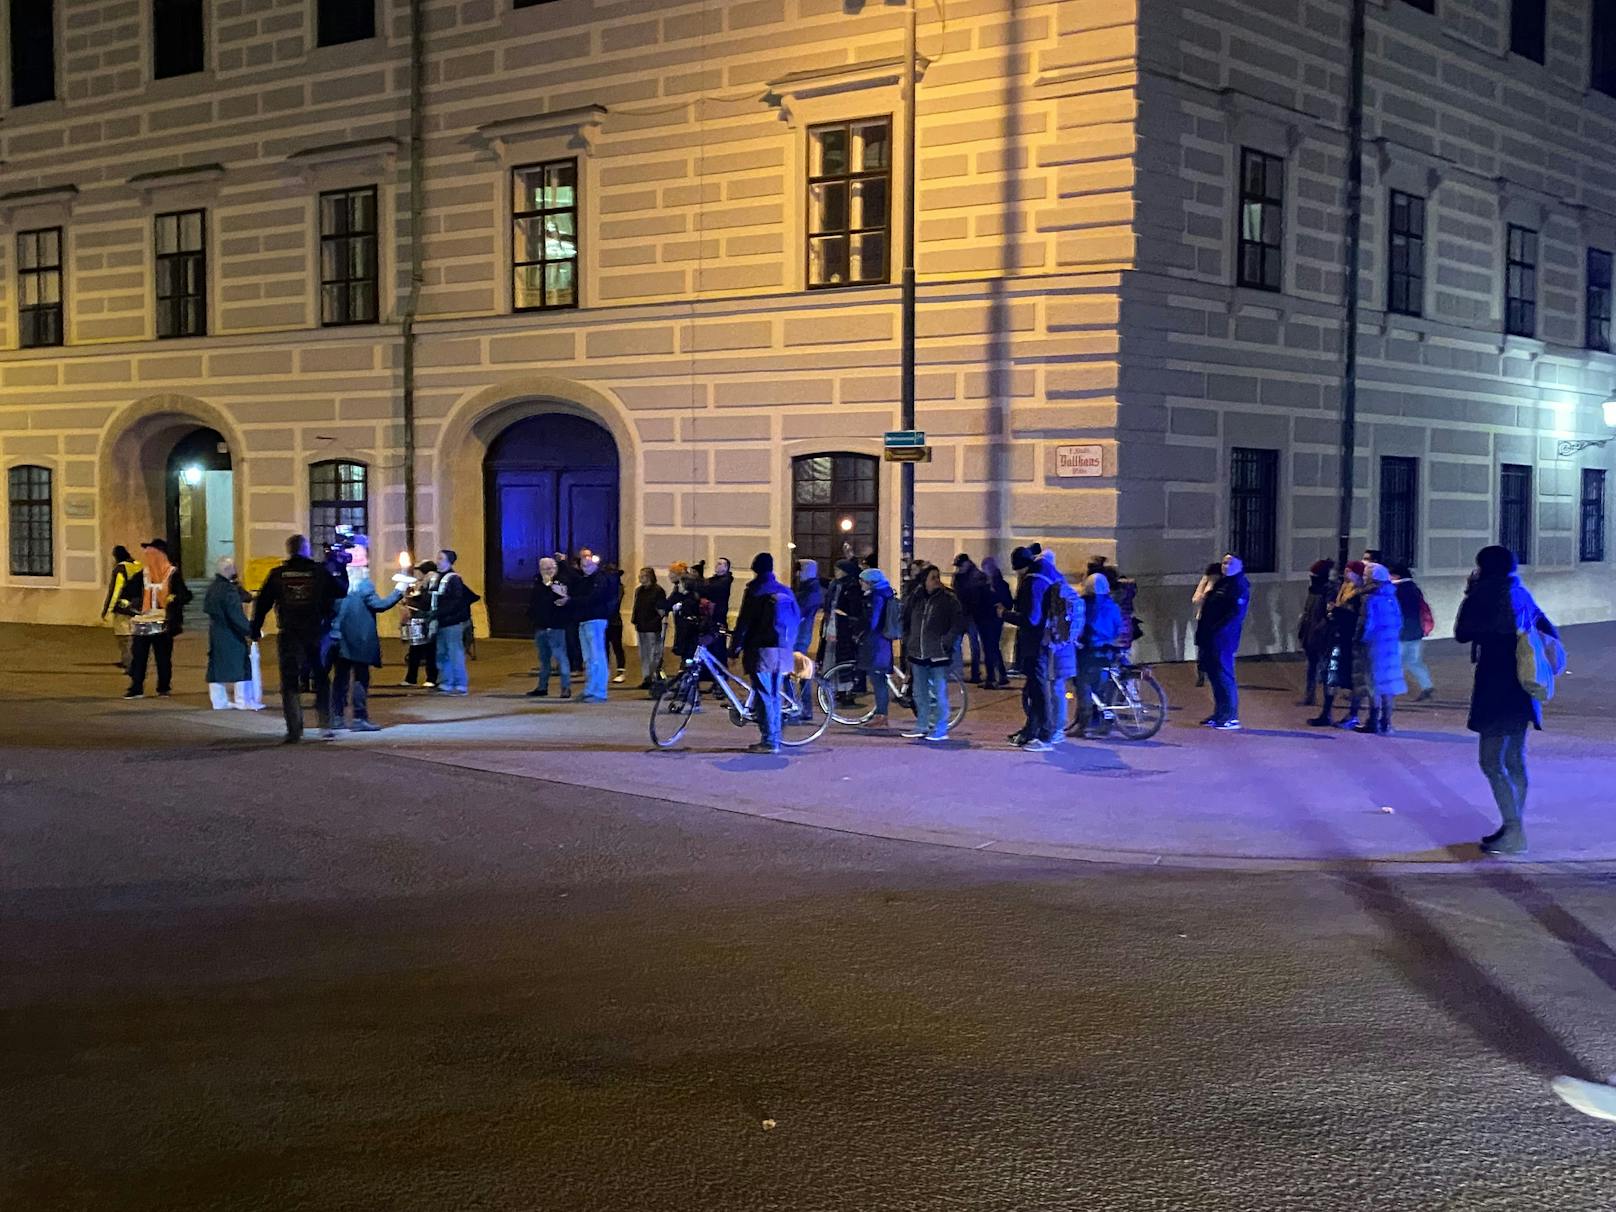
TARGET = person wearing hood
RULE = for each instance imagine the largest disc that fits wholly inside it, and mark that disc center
(597, 594)
(1209, 578)
(991, 602)
(970, 587)
(874, 648)
(125, 568)
(1417, 624)
(1495, 610)
(161, 596)
(1378, 657)
(846, 618)
(810, 593)
(765, 633)
(358, 645)
(1312, 629)
(1217, 639)
(1340, 643)
(649, 619)
(229, 651)
(1103, 633)
(933, 621)
(1044, 665)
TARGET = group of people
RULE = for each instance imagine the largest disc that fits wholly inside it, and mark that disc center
(576, 612)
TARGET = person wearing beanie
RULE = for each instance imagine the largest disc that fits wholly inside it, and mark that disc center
(1217, 637)
(874, 648)
(971, 587)
(1312, 629)
(765, 632)
(1041, 667)
(996, 599)
(1102, 638)
(1495, 611)
(1340, 642)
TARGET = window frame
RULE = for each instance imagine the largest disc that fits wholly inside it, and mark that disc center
(40, 270)
(836, 506)
(1265, 248)
(1425, 6)
(30, 526)
(848, 179)
(1520, 310)
(1529, 37)
(342, 509)
(1411, 277)
(343, 240)
(1591, 517)
(1596, 300)
(1520, 473)
(18, 52)
(1254, 508)
(541, 213)
(1602, 48)
(328, 14)
(200, 10)
(180, 257)
(1401, 548)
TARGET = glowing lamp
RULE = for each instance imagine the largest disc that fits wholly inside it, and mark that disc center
(1609, 409)
(846, 524)
(404, 560)
(192, 474)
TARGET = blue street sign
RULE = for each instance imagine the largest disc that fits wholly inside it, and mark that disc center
(905, 437)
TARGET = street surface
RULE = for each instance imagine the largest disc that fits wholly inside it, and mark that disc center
(353, 976)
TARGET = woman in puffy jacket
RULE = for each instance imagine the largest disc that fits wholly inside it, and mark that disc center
(1378, 658)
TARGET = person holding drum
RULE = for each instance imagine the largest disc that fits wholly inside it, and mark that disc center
(160, 596)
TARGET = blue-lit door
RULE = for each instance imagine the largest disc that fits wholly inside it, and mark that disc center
(525, 516)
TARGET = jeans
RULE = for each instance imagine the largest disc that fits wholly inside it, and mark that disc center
(159, 646)
(931, 699)
(1091, 667)
(882, 690)
(551, 643)
(1035, 698)
(452, 657)
(650, 655)
(766, 705)
(300, 655)
(1503, 760)
(975, 636)
(422, 654)
(1217, 661)
(124, 645)
(357, 674)
(993, 672)
(592, 642)
(1413, 653)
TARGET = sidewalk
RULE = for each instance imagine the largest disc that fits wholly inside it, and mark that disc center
(1278, 793)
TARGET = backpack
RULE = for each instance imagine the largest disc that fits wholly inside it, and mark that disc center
(892, 619)
(1061, 604)
(1427, 620)
(1539, 659)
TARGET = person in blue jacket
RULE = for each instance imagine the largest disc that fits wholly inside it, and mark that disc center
(358, 647)
(810, 592)
(1217, 639)
(1102, 636)
(765, 632)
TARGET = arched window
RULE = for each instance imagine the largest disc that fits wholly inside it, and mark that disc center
(29, 490)
(339, 495)
(834, 507)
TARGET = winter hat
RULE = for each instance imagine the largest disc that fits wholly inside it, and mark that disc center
(678, 569)
(961, 560)
(1321, 568)
(848, 568)
(1356, 568)
(873, 577)
(121, 554)
(1021, 557)
(1097, 584)
(809, 571)
(762, 563)
(1379, 574)
(1495, 561)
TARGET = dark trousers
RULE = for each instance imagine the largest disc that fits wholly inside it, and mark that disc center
(614, 641)
(300, 655)
(990, 631)
(357, 675)
(1503, 761)
(422, 654)
(1217, 662)
(1315, 671)
(575, 648)
(159, 646)
(1035, 697)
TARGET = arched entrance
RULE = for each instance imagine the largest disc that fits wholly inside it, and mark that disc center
(200, 502)
(551, 484)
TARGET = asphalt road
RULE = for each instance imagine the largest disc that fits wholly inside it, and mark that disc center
(237, 976)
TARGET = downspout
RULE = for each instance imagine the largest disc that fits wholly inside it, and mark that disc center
(1349, 336)
(412, 300)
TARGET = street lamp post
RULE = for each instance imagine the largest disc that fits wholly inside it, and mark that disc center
(1349, 334)
(907, 299)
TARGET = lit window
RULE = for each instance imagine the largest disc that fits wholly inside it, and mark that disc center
(339, 495)
(849, 203)
(544, 236)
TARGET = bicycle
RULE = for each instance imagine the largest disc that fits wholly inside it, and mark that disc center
(679, 701)
(1129, 696)
(836, 694)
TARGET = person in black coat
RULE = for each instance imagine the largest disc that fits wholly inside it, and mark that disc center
(1217, 639)
(650, 611)
(1496, 608)
(303, 596)
(614, 628)
(970, 587)
(988, 617)
(847, 618)
(717, 590)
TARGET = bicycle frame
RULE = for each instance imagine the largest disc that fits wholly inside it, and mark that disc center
(726, 681)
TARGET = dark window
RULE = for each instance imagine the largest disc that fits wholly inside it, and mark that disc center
(1254, 507)
(544, 236)
(1515, 510)
(850, 203)
(339, 21)
(1399, 510)
(39, 287)
(182, 274)
(348, 256)
(1602, 48)
(30, 491)
(1262, 219)
(1591, 541)
(1520, 282)
(178, 48)
(1425, 6)
(1596, 319)
(834, 507)
(1526, 28)
(531, 3)
(33, 51)
(1405, 261)
(339, 495)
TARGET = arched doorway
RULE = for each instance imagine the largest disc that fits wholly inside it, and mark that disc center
(200, 502)
(551, 485)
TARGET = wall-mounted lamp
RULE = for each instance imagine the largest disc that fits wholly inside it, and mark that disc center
(192, 474)
(1571, 446)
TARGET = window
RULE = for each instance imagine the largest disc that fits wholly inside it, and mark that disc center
(1596, 312)
(544, 236)
(1515, 510)
(1591, 541)
(1405, 262)
(339, 21)
(1254, 507)
(178, 48)
(834, 501)
(339, 495)
(182, 274)
(30, 492)
(1399, 510)
(850, 203)
(39, 287)
(348, 256)
(530, 3)
(33, 51)
(1526, 28)
(1262, 219)
(1425, 6)
(1520, 282)
(1602, 48)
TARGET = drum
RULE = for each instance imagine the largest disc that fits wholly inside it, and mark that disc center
(414, 632)
(149, 625)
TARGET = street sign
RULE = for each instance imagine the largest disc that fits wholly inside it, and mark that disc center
(1080, 461)
(908, 454)
(904, 437)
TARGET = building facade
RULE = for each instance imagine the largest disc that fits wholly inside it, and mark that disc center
(657, 311)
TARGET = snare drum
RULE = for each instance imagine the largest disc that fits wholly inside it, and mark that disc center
(149, 625)
(414, 632)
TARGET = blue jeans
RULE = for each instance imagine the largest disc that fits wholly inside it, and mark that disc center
(592, 639)
(1503, 761)
(452, 657)
(766, 705)
(1218, 664)
(931, 699)
(552, 645)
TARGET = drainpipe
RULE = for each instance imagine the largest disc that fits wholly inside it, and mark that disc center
(1349, 343)
(412, 300)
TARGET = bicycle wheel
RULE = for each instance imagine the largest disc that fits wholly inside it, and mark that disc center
(956, 698)
(795, 727)
(1141, 703)
(673, 707)
(836, 700)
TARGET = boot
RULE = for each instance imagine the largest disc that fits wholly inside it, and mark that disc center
(1370, 726)
(1509, 840)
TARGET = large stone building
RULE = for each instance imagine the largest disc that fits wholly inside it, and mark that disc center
(657, 311)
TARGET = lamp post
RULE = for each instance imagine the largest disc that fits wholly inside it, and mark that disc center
(1349, 335)
(906, 304)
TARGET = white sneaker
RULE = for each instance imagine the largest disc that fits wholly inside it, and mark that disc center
(1591, 1098)
(618, 680)
(913, 736)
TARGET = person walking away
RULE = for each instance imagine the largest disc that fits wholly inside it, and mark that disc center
(1209, 578)
(1313, 627)
(1102, 639)
(934, 621)
(874, 657)
(1217, 639)
(597, 594)
(229, 640)
(1496, 612)
(549, 613)
(970, 587)
(161, 596)
(1379, 657)
(810, 595)
(650, 613)
(1418, 623)
(1341, 642)
(765, 633)
(124, 569)
(990, 627)
(302, 595)
(452, 600)
(421, 652)
(614, 627)
(359, 645)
